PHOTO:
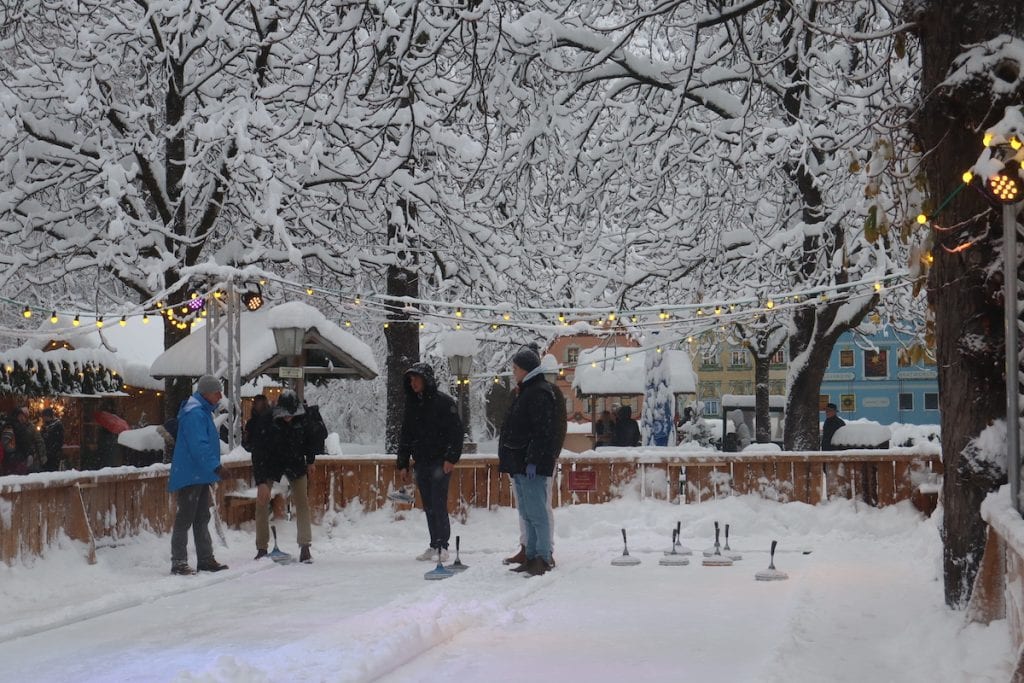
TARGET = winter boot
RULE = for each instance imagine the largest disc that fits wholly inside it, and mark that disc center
(518, 558)
(524, 567)
(537, 567)
(304, 555)
(210, 565)
(260, 553)
(182, 569)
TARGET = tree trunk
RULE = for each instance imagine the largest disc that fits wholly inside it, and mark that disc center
(402, 335)
(964, 287)
(175, 163)
(176, 389)
(810, 346)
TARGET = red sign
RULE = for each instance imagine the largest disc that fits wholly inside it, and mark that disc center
(583, 480)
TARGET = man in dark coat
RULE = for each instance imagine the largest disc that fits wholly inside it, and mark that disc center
(53, 440)
(528, 447)
(828, 430)
(627, 431)
(432, 439)
(281, 447)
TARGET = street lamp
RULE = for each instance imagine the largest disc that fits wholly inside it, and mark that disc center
(289, 342)
(1003, 186)
(458, 348)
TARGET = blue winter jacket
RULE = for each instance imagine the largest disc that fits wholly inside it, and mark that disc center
(197, 448)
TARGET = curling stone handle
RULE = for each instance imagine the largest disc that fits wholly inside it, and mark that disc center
(623, 535)
(456, 545)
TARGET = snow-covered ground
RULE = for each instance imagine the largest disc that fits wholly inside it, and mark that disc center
(865, 604)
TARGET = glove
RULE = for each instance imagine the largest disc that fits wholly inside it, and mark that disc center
(531, 471)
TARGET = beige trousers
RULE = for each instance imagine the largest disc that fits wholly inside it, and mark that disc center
(300, 501)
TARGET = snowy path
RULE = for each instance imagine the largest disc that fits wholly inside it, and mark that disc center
(866, 605)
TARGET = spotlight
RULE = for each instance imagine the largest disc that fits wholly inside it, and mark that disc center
(253, 300)
(1004, 187)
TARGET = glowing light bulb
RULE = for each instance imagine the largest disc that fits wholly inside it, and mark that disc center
(922, 219)
(967, 177)
(123, 322)
(76, 322)
(54, 318)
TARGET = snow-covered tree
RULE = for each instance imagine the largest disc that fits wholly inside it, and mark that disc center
(972, 69)
(670, 106)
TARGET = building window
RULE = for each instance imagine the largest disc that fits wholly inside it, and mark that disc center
(777, 387)
(778, 358)
(876, 364)
(741, 387)
(738, 358)
(931, 401)
(572, 355)
(711, 407)
(846, 358)
(823, 400)
(847, 403)
(906, 401)
(709, 359)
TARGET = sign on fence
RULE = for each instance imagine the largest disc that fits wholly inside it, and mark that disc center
(583, 480)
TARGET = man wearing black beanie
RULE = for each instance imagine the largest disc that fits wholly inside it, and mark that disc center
(528, 446)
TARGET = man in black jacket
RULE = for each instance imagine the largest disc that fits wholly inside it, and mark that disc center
(432, 438)
(530, 442)
(832, 423)
(281, 446)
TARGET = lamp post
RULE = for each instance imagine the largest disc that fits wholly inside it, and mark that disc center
(461, 366)
(458, 348)
(289, 342)
(1012, 361)
(1000, 163)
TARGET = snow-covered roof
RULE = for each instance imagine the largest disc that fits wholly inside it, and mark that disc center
(330, 350)
(618, 371)
(127, 350)
(775, 402)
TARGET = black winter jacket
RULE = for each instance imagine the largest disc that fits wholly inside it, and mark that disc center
(278, 447)
(530, 434)
(627, 431)
(431, 427)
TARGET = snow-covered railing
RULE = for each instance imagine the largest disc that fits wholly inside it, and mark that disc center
(999, 586)
(114, 503)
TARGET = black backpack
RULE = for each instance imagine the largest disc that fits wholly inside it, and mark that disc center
(315, 433)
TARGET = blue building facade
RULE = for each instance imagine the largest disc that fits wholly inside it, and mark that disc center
(874, 378)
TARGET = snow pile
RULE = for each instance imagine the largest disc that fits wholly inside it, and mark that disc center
(861, 434)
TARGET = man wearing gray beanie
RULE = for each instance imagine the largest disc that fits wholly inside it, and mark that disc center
(195, 465)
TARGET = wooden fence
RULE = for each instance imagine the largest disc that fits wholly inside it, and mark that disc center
(112, 504)
(998, 591)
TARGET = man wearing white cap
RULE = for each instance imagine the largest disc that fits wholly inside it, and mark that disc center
(196, 465)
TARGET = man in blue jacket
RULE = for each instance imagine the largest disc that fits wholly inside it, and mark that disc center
(196, 465)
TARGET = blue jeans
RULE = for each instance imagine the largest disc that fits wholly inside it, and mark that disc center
(433, 485)
(532, 497)
(193, 512)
